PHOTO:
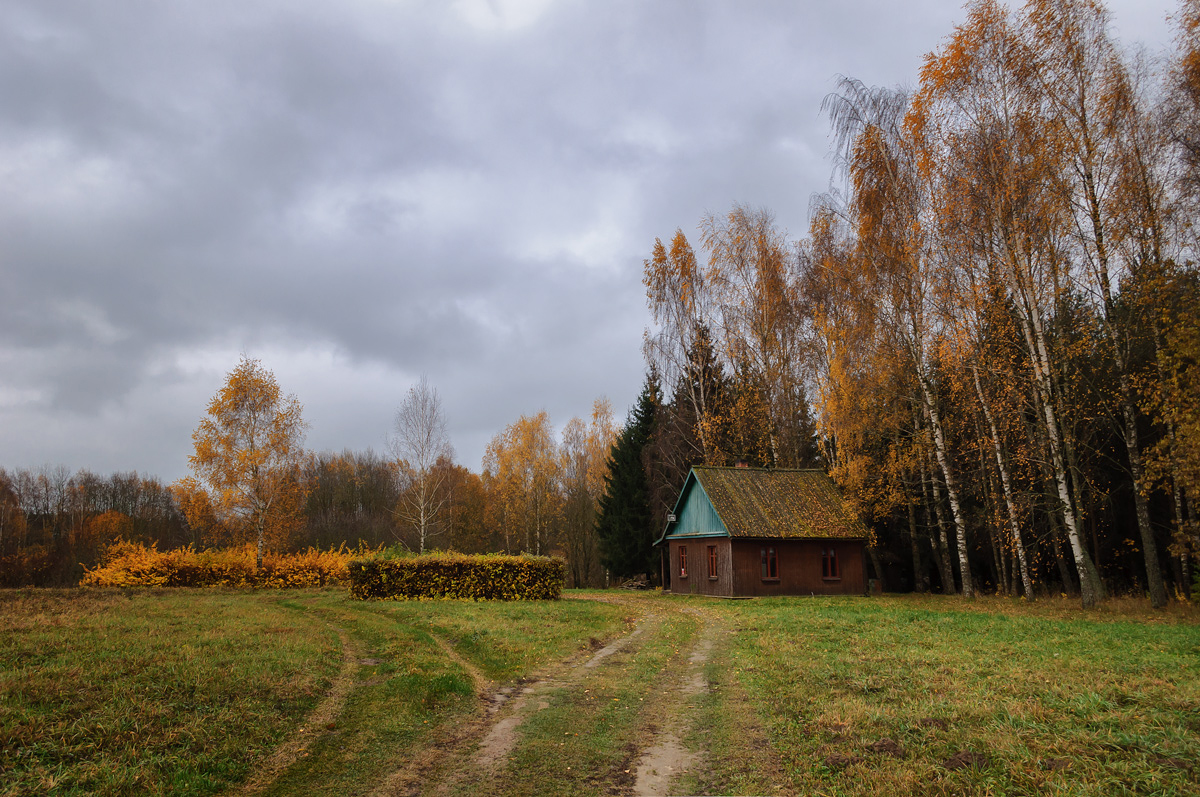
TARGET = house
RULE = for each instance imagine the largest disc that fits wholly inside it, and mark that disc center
(749, 531)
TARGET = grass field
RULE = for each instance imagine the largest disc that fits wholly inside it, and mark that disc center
(909, 695)
(208, 691)
(186, 691)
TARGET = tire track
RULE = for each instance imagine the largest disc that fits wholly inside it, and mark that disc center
(482, 683)
(485, 741)
(667, 758)
(503, 735)
(325, 712)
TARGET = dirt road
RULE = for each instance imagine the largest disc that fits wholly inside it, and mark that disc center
(662, 659)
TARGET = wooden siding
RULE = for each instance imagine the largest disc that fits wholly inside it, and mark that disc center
(697, 581)
(800, 568)
(697, 517)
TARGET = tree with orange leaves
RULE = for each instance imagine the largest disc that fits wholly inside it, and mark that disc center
(521, 471)
(584, 465)
(247, 459)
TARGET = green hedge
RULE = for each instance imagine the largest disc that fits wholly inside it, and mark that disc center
(484, 577)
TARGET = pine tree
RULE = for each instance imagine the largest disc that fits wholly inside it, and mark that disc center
(625, 526)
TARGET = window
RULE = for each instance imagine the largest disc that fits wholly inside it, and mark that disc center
(829, 564)
(770, 565)
(683, 561)
(712, 561)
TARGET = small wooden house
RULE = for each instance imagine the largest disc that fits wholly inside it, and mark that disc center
(749, 531)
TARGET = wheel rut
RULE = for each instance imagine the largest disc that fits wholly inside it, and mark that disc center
(503, 733)
(475, 753)
(325, 712)
(664, 761)
(486, 740)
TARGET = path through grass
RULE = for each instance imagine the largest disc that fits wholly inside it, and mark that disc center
(190, 691)
(184, 691)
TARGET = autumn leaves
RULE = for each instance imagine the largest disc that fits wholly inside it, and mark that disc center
(991, 320)
(255, 483)
(248, 453)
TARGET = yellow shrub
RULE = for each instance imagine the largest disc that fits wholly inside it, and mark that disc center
(451, 575)
(128, 564)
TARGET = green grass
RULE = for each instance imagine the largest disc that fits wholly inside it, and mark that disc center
(158, 692)
(190, 691)
(1058, 701)
(185, 691)
(588, 739)
(507, 640)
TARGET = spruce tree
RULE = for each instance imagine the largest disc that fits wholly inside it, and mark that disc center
(625, 526)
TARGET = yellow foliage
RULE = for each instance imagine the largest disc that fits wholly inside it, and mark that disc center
(454, 576)
(247, 459)
(129, 564)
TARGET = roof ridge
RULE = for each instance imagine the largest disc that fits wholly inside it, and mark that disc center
(763, 470)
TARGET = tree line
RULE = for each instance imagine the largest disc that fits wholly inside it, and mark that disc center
(988, 336)
(995, 320)
(54, 521)
(253, 482)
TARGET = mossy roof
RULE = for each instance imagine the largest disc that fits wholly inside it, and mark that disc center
(755, 502)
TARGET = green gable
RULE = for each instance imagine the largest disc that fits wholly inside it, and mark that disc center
(754, 502)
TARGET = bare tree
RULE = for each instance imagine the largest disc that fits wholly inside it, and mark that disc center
(418, 441)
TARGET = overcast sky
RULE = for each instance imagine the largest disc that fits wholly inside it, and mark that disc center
(361, 191)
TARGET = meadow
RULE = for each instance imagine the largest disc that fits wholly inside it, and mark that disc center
(205, 691)
(190, 691)
(933, 695)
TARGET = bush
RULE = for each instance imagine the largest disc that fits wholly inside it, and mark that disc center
(449, 575)
(128, 564)
(32, 565)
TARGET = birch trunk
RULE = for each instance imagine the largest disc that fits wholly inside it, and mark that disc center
(1006, 484)
(939, 447)
(1091, 591)
(1056, 536)
(1154, 579)
(943, 545)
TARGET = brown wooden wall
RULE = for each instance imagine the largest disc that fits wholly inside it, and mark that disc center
(697, 581)
(800, 570)
(739, 568)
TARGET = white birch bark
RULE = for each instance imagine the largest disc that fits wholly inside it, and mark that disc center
(939, 447)
(1090, 588)
(1006, 484)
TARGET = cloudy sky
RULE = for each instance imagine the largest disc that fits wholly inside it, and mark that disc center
(358, 192)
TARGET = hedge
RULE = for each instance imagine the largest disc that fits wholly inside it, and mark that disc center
(128, 564)
(450, 575)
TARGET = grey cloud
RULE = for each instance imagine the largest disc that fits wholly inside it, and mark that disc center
(381, 190)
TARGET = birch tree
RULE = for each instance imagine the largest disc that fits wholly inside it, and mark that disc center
(979, 96)
(248, 453)
(890, 206)
(419, 439)
(1085, 90)
(521, 468)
